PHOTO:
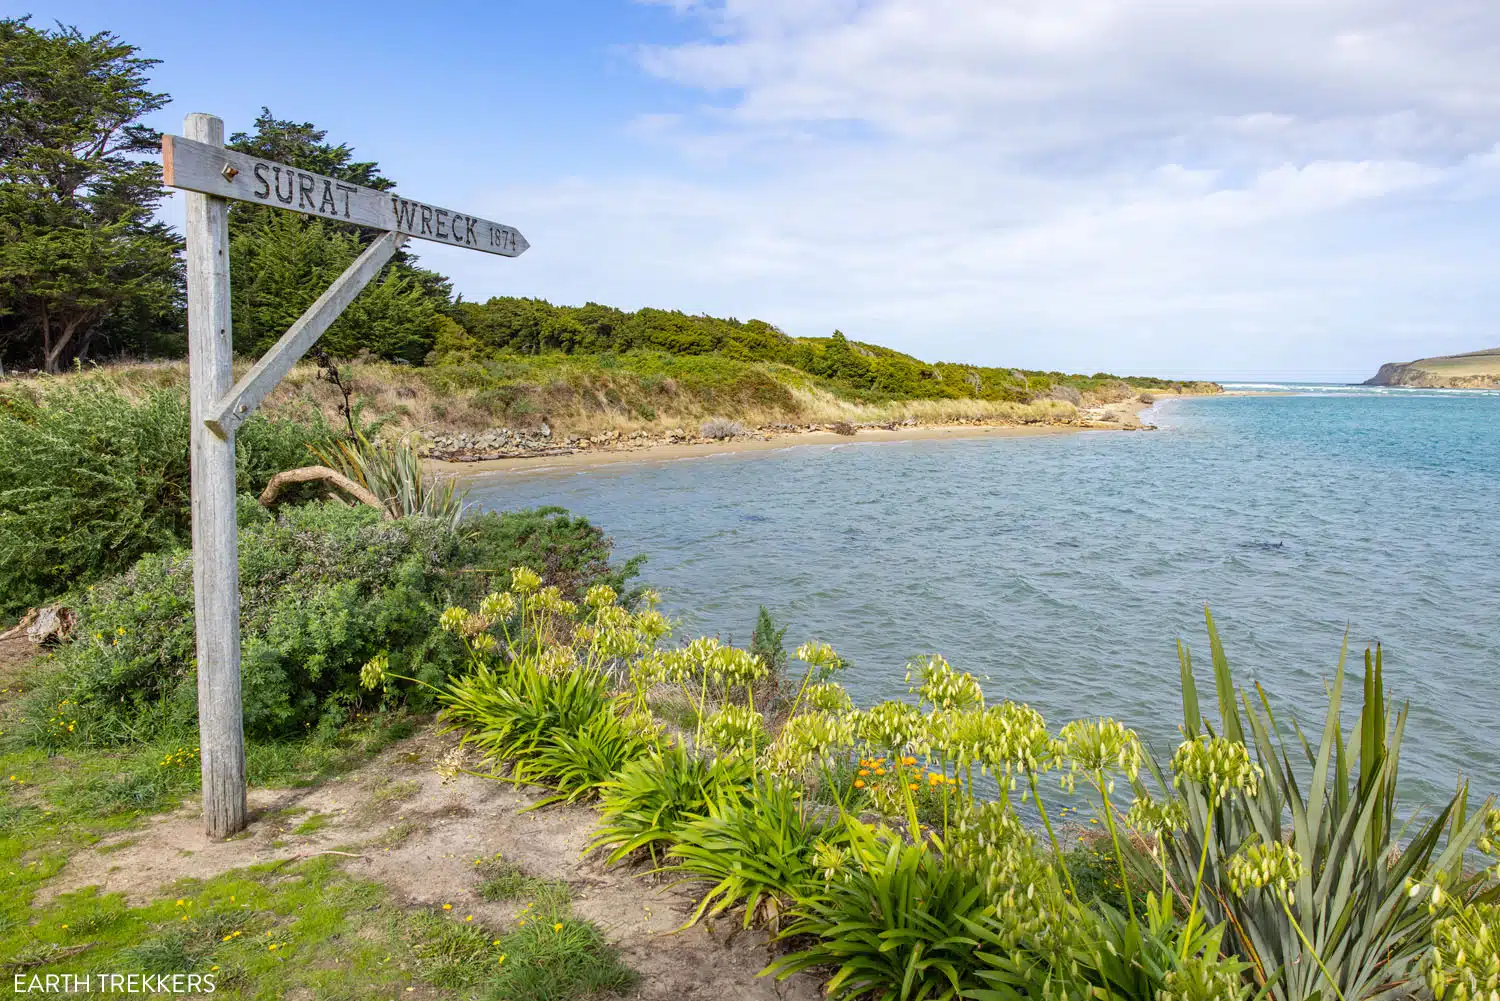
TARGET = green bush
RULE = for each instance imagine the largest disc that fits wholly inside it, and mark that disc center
(94, 480)
(894, 926)
(324, 588)
(560, 729)
(647, 803)
(757, 849)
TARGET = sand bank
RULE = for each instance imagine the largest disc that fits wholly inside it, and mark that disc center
(768, 442)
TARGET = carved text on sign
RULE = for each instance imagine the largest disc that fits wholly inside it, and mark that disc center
(229, 174)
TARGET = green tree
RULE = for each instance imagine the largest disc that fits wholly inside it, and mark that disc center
(78, 187)
(281, 261)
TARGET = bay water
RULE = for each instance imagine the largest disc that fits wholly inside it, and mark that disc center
(1064, 568)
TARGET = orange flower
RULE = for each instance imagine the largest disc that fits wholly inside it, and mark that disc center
(859, 783)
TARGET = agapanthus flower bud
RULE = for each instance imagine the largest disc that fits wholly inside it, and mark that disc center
(1151, 817)
(600, 596)
(498, 605)
(942, 688)
(372, 674)
(891, 726)
(524, 580)
(819, 655)
(827, 696)
(1276, 865)
(1099, 745)
(1218, 765)
(733, 728)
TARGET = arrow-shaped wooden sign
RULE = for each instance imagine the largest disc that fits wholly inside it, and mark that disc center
(210, 173)
(214, 170)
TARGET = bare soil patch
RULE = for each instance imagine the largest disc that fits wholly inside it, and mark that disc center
(16, 655)
(422, 837)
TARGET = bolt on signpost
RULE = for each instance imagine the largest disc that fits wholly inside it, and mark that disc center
(199, 164)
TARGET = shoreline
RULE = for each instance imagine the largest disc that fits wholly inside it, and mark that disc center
(779, 440)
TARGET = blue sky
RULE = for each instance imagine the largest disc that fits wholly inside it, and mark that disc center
(1238, 189)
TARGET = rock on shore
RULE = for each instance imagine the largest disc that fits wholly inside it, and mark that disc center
(511, 443)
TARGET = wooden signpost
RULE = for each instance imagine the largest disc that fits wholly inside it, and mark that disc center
(210, 174)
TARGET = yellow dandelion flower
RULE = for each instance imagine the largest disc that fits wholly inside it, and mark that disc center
(557, 927)
(447, 907)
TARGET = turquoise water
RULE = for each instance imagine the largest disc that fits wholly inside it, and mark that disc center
(1064, 567)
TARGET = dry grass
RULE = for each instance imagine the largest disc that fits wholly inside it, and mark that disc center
(576, 398)
(1477, 363)
(819, 407)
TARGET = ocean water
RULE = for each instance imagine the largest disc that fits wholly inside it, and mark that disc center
(1064, 568)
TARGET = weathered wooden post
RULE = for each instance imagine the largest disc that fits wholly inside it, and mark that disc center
(216, 564)
(199, 164)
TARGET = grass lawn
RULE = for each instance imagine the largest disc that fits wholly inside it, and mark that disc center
(293, 928)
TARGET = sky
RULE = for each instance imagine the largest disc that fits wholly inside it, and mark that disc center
(1232, 189)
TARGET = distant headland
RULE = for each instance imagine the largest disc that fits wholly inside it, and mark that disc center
(1475, 370)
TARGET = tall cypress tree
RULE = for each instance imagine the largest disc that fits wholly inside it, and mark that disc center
(282, 261)
(78, 188)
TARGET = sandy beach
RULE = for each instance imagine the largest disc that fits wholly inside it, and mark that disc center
(1128, 419)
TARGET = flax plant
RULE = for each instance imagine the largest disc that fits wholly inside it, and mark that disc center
(1333, 802)
(393, 473)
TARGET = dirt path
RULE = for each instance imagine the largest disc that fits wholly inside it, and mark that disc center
(420, 837)
(16, 656)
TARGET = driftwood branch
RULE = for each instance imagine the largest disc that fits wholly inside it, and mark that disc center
(332, 477)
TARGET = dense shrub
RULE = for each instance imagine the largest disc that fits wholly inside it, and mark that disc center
(507, 327)
(323, 588)
(93, 480)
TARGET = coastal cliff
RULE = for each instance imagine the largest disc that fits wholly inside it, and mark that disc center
(1475, 370)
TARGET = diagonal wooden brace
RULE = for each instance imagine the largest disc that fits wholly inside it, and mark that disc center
(240, 402)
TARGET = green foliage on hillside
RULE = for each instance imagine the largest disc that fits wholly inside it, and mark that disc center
(505, 327)
(643, 383)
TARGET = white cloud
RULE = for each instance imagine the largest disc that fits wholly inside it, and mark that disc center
(1232, 185)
